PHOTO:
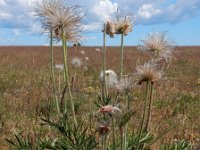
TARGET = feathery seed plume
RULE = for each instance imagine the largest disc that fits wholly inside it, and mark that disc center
(158, 45)
(148, 72)
(110, 77)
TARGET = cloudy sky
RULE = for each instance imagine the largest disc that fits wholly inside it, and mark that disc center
(179, 18)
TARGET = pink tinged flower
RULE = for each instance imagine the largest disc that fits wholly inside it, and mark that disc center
(110, 110)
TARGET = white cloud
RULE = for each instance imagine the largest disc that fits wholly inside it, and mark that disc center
(93, 27)
(148, 11)
(17, 14)
(16, 32)
(2, 3)
(104, 9)
(5, 16)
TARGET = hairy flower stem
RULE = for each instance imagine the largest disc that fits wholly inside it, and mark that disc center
(144, 114)
(126, 127)
(53, 73)
(122, 139)
(104, 87)
(148, 124)
(113, 133)
(122, 56)
(103, 142)
(67, 77)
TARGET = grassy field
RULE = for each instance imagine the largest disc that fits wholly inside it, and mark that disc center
(25, 90)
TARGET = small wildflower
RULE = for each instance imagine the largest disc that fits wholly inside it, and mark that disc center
(148, 72)
(125, 84)
(158, 45)
(98, 50)
(82, 52)
(76, 62)
(110, 78)
(87, 58)
(59, 66)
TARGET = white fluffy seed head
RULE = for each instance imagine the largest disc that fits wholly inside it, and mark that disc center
(82, 52)
(158, 45)
(110, 78)
(57, 18)
(148, 72)
(59, 66)
(122, 24)
(98, 50)
(76, 62)
(125, 84)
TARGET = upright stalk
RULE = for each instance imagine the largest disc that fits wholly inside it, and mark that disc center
(104, 87)
(122, 139)
(126, 127)
(66, 72)
(113, 133)
(122, 56)
(148, 124)
(144, 114)
(53, 73)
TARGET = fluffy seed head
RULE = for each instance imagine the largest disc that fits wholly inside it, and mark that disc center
(110, 78)
(158, 45)
(123, 24)
(59, 66)
(76, 62)
(45, 8)
(56, 17)
(68, 21)
(98, 50)
(82, 52)
(110, 28)
(148, 72)
(125, 84)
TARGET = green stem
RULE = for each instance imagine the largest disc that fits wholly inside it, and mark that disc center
(104, 87)
(113, 133)
(148, 125)
(126, 127)
(122, 138)
(103, 142)
(144, 114)
(53, 73)
(122, 56)
(67, 77)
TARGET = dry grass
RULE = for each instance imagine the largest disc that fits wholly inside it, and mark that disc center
(25, 89)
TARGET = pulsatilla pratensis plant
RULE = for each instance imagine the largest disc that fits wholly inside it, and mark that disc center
(63, 23)
(112, 118)
(122, 24)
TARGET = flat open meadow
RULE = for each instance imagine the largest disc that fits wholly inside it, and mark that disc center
(27, 102)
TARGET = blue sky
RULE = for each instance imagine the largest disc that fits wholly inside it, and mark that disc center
(179, 18)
